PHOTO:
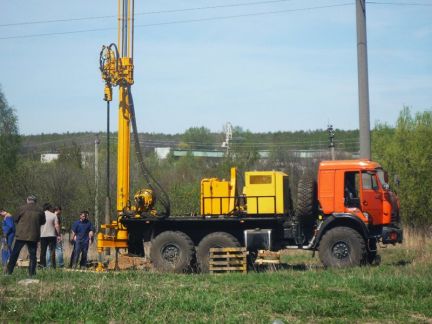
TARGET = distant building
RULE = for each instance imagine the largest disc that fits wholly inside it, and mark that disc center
(87, 158)
(195, 153)
(162, 152)
(49, 157)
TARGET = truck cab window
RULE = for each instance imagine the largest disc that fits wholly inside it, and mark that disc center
(369, 181)
(351, 189)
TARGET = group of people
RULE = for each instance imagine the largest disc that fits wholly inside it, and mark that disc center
(31, 224)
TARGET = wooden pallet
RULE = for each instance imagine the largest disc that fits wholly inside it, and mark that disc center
(222, 260)
(267, 257)
(267, 260)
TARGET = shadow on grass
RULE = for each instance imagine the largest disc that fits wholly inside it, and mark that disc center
(402, 263)
(286, 266)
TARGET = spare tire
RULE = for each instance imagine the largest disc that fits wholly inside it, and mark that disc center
(307, 200)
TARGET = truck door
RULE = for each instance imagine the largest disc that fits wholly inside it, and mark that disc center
(371, 197)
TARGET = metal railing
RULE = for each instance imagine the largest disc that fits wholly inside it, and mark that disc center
(238, 207)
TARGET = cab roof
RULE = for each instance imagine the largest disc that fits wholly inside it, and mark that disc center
(362, 164)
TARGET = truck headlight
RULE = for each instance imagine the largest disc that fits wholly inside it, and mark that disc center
(366, 215)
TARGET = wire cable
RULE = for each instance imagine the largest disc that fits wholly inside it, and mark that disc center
(175, 22)
(242, 4)
(417, 4)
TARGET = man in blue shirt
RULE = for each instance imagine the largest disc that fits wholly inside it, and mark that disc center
(8, 229)
(82, 234)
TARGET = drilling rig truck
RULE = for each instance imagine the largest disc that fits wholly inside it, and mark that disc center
(344, 215)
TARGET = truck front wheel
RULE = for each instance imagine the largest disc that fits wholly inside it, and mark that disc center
(342, 247)
(213, 240)
(172, 252)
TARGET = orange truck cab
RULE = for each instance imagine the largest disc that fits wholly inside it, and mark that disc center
(357, 190)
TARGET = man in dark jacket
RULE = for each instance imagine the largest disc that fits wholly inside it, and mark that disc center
(28, 220)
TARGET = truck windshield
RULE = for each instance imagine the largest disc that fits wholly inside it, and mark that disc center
(381, 176)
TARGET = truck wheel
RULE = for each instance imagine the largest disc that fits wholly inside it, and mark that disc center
(172, 252)
(342, 247)
(306, 206)
(213, 240)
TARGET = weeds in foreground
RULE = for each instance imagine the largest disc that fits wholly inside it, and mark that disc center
(396, 291)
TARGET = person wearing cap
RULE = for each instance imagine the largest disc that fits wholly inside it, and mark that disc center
(28, 220)
(8, 229)
(82, 234)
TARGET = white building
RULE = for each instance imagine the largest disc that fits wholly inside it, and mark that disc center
(49, 157)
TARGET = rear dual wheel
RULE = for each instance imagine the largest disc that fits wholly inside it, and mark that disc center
(213, 240)
(172, 251)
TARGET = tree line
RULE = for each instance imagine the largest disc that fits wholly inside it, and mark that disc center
(405, 150)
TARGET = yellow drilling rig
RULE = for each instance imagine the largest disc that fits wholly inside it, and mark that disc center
(343, 216)
(116, 66)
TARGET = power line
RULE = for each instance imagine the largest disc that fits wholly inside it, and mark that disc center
(242, 4)
(184, 21)
(58, 33)
(247, 15)
(196, 145)
(418, 4)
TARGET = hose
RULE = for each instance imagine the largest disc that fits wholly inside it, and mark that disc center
(152, 183)
(158, 192)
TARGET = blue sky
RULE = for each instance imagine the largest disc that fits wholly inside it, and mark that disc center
(276, 72)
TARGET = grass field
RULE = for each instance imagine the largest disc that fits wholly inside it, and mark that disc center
(399, 290)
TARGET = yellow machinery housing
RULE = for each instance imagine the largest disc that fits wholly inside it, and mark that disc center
(218, 196)
(264, 193)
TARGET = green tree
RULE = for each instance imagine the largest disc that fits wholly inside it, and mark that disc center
(197, 137)
(406, 152)
(9, 137)
(9, 147)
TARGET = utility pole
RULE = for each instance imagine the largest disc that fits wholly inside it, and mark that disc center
(228, 137)
(96, 166)
(331, 134)
(363, 83)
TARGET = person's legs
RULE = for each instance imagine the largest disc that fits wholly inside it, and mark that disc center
(72, 256)
(52, 247)
(59, 254)
(76, 254)
(84, 250)
(14, 256)
(5, 252)
(48, 257)
(32, 247)
(44, 244)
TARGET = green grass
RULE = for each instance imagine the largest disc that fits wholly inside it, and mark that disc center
(399, 290)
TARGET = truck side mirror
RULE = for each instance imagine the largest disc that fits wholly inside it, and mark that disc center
(396, 180)
(386, 177)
